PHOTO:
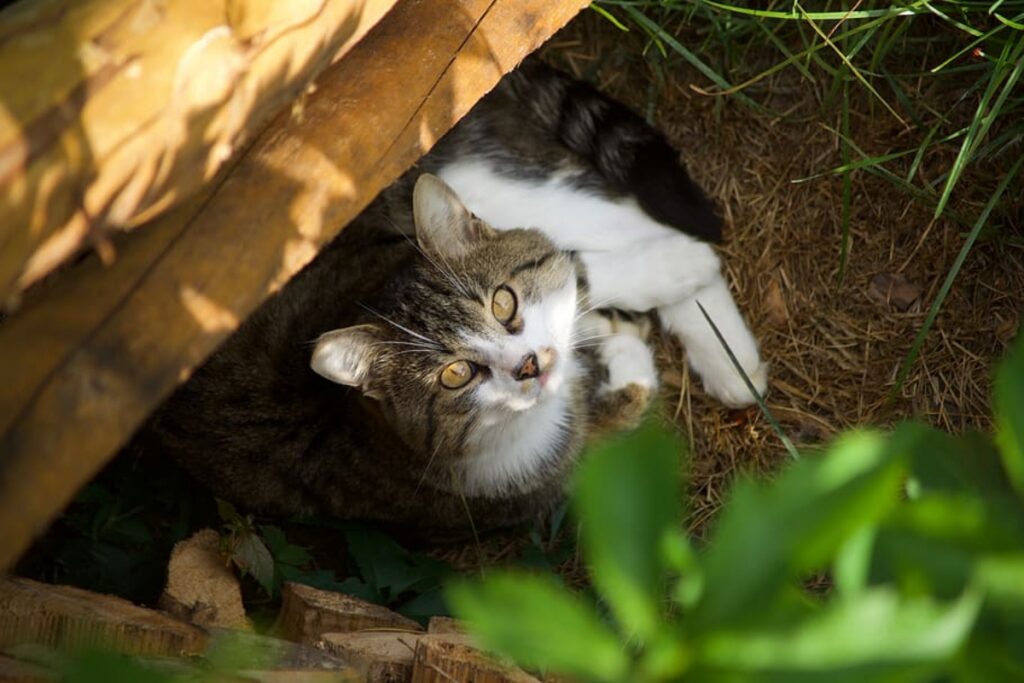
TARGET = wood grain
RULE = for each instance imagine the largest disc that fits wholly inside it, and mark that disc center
(139, 104)
(88, 358)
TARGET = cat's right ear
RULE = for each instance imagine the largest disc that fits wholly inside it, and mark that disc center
(444, 226)
(346, 356)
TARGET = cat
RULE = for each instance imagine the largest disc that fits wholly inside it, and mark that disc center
(440, 366)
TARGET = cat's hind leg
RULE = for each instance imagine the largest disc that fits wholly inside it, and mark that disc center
(705, 352)
(631, 378)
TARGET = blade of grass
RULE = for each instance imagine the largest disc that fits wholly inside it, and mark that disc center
(776, 427)
(933, 312)
(853, 69)
(609, 16)
(641, 19)
(844, 247)
(985, 115)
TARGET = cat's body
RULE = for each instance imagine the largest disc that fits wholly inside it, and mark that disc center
(458, 373)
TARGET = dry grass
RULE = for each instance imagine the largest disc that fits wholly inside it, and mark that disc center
(834, 349)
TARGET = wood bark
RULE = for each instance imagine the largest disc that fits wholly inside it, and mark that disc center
(307, 613)
(67, 617)
(139, 104)
(87, 359)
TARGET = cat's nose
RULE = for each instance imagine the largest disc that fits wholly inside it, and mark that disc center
(528, 368)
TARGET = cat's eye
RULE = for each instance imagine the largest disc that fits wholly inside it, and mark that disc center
(456, 375)
(503, 305)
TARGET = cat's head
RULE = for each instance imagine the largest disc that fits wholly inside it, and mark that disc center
(480, 331)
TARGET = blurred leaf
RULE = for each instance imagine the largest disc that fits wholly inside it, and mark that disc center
(769, 534)
(627, 495)
(1002, 578)
(879, 630)
(105, 667)
(1009, 408)
(539, 624)
(252, 557)
(852, 564)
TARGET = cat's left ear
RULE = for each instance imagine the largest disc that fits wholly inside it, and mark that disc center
(444, 226)
(347, 356)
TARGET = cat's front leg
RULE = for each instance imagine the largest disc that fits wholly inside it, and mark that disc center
(631, 380)
(705, 352)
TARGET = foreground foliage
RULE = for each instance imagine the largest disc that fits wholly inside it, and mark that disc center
(921, 533)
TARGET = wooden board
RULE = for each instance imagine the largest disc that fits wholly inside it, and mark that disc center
(87, 359)
(139, 104)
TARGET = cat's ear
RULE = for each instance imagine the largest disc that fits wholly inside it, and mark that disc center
(346, 356)
(443, 225)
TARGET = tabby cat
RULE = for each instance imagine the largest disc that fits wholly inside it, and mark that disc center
(441, 364)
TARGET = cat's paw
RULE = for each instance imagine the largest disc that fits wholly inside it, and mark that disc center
(628, 360)
(726, 384)
(622, 408)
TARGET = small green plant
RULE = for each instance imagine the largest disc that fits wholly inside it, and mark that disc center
(920, 532)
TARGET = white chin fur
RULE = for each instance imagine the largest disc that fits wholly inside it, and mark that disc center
(521, 422)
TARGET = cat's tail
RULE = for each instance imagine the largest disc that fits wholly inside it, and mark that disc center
(630, 154)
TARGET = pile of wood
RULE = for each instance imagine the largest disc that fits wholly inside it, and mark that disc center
(320, 636)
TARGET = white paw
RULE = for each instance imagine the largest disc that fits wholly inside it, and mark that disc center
(705, 352)
(726, 384)
(629, 361)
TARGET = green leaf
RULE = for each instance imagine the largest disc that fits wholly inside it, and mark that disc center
(252, 557)
(627, 496)
(283, 551)
(228, 514)
(1002, 578)
(539, 624)
(771, 534)
(105, 667)
(879, 633)
(1009, 406)
(388, 567)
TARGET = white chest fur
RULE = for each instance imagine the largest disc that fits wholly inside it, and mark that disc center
(506, 453)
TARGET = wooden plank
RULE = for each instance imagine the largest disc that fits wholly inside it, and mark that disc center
(71, 618)
(139, 105)
(307, 613)
(88, 359)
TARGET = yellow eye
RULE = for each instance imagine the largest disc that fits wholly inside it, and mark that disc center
(503, 305)
(456, 375)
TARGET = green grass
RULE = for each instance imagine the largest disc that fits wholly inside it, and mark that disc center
(891, 52)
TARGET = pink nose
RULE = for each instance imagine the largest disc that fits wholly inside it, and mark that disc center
(528, 368)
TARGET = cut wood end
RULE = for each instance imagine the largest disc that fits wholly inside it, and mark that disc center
(200, 587)
(307, 613)
(445, 658)
(378, 656)
(67, 617)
